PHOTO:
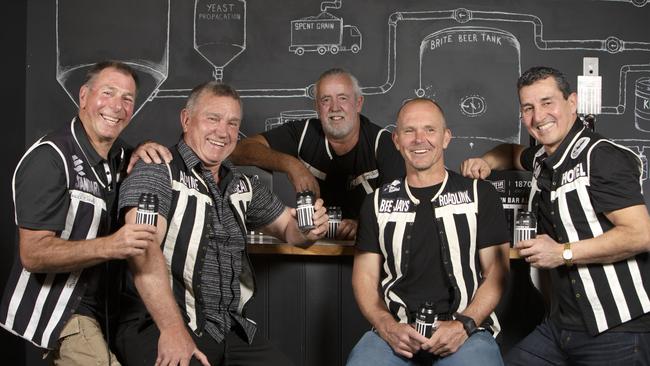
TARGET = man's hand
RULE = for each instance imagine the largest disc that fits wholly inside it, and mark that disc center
(541, 252)
(476, 168)
(347, 229)
(447, 339)
(130, 240)
(320, 219)
(176, 347)
(402, 338)
(302, 179)
(149, 152)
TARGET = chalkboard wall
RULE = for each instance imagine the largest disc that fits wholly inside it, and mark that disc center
(465, 54)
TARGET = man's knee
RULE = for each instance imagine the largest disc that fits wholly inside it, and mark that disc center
(479, 349)
(373, 350)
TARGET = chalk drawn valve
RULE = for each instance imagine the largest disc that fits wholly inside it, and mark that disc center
(426, 319)
(305, 210)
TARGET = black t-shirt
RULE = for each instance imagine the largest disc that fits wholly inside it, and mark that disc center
(338, 188)
(425, 278)
(614, 185)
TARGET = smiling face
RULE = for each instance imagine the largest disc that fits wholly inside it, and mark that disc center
(210, 128)
(106, 105)
(338, 106)
(545, 112)
(421, 136)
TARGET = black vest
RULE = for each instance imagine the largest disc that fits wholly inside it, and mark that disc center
(456, 212)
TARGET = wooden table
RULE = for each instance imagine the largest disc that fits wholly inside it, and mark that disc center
(263, 244)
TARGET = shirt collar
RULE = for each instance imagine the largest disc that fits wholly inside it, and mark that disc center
(91, 154)
(192, 161)
(577, 127)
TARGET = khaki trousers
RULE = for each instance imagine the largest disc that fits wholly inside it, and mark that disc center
(82, 343)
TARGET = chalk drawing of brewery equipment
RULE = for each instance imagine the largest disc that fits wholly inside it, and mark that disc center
(475, 102)
(324, 33)
(642, 104)
(288, 116)
(219, 32)
(82, 40)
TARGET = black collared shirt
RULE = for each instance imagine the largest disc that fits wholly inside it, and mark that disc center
(222, 263)
(42, 201)
(613, 185)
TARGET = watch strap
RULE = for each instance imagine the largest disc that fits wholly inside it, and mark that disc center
(567, 261)
(468, 323)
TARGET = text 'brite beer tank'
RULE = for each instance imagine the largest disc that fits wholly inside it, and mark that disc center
(472, 72)
(219, 32)
(92, 31)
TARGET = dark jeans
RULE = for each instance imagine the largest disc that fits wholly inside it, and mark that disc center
(137, 344)
(549, 345)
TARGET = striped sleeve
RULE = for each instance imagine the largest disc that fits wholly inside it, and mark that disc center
(147, 178)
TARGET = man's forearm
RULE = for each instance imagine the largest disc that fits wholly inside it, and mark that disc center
(629, 238)
(488, 294)
(151, 279)
(365, 291)
(504, 157)
(256, 151)
(44, 252)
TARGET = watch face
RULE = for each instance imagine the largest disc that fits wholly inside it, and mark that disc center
(567, 254)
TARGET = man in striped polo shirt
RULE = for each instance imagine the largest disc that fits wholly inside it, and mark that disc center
(593, 232)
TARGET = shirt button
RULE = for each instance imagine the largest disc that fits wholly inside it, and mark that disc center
(573, 282)
(406, 251)
(577, 296)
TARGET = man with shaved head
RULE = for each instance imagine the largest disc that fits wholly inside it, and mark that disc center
(431, 237)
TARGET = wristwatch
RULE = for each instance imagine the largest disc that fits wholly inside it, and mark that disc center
(567, 255)
(468, 323)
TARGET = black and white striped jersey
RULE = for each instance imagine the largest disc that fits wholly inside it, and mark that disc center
(35, 306)
(607, 294)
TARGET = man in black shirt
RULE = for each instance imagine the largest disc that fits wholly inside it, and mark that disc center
(594, 232)
(342, 157)
(433, 236)
(65, 190)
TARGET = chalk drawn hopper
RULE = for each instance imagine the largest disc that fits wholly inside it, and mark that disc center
(219, 32)
(88, 31)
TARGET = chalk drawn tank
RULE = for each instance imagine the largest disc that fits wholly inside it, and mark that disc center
(219, 32)
(642, 104)
(472, 73)
(141, 46)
